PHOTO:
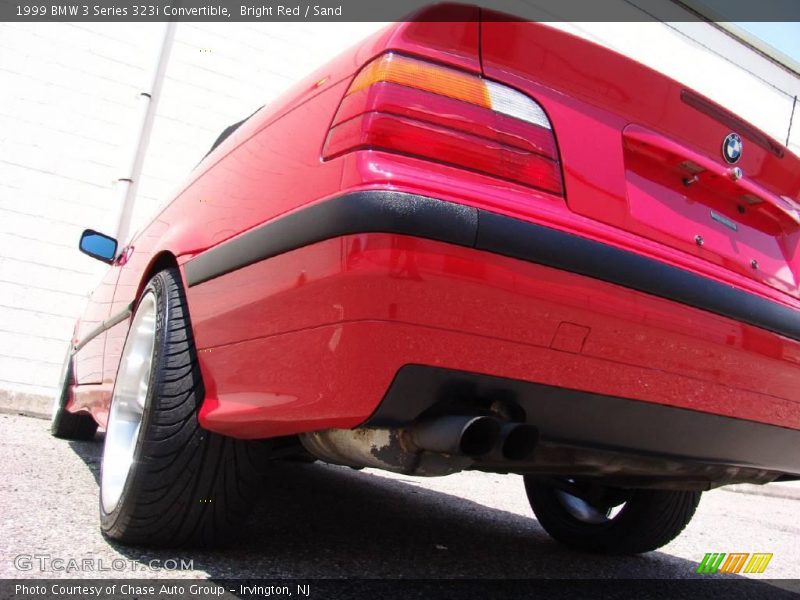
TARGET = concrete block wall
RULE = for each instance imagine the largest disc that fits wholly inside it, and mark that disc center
(68, 108)
(65, 93)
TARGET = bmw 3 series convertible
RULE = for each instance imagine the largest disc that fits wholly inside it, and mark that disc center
(476, 244)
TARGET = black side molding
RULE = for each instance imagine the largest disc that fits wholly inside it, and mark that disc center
(381, 211)
(110, 322)
(361, 212)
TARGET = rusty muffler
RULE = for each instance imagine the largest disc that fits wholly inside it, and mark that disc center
(436, 446)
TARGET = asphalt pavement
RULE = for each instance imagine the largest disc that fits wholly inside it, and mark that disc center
(322, 521)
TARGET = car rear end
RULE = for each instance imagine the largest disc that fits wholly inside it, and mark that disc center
(528, 228)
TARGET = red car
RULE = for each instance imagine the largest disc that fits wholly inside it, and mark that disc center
(479, 244)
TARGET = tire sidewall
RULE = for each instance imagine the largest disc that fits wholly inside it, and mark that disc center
(158, 285)
(552, 513)
(649, 519)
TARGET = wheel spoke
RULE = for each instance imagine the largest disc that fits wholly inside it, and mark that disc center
(582, 510)
(128, 403)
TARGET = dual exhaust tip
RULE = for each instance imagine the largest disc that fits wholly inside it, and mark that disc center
(476, 437)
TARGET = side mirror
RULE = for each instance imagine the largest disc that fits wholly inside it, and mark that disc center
(98, 245)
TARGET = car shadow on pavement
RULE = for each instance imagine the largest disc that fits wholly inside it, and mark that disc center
(91, 453)
(321, 521)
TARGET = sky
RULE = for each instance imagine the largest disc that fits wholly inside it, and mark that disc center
(784, 37)
(782, 33)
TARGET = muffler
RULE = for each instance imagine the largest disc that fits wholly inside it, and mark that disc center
(436, 446)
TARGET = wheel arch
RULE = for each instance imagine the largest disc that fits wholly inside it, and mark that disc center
(161, 261)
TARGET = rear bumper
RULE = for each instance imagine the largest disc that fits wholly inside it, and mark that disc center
(304, 323)
(407, 214)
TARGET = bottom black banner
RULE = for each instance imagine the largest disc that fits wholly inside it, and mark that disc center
(259, 589)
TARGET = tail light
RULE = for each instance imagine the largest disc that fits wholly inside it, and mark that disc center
(408, 106)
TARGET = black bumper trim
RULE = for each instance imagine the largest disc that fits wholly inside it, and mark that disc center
(596, 421)
(381, 211)
(360, 212)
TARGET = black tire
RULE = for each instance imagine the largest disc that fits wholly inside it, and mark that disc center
(64, 424)
(648, 520)
(187, 486)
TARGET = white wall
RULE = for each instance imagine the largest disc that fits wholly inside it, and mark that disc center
(68, 102)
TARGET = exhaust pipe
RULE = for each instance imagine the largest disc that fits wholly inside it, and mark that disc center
(517, 442)
(436, 446)
(461, 435)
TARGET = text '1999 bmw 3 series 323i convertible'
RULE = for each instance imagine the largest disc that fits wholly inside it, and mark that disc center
(476, 244)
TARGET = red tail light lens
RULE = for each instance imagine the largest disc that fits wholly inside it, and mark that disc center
(404, 105)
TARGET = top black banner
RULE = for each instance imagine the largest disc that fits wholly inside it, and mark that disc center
(398, 10)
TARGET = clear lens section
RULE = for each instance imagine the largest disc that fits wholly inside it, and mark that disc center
(516, 104)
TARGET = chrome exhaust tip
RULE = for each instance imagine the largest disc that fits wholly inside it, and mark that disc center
(518, 441)
(461, 435)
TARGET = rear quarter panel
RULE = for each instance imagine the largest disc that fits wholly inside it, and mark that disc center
(268, 166)
(272, 164)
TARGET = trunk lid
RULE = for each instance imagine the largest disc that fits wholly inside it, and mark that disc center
(645, 154)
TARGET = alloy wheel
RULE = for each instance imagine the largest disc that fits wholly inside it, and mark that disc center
(128, 403)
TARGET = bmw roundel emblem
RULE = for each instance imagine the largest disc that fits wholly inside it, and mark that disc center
(732, 148)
